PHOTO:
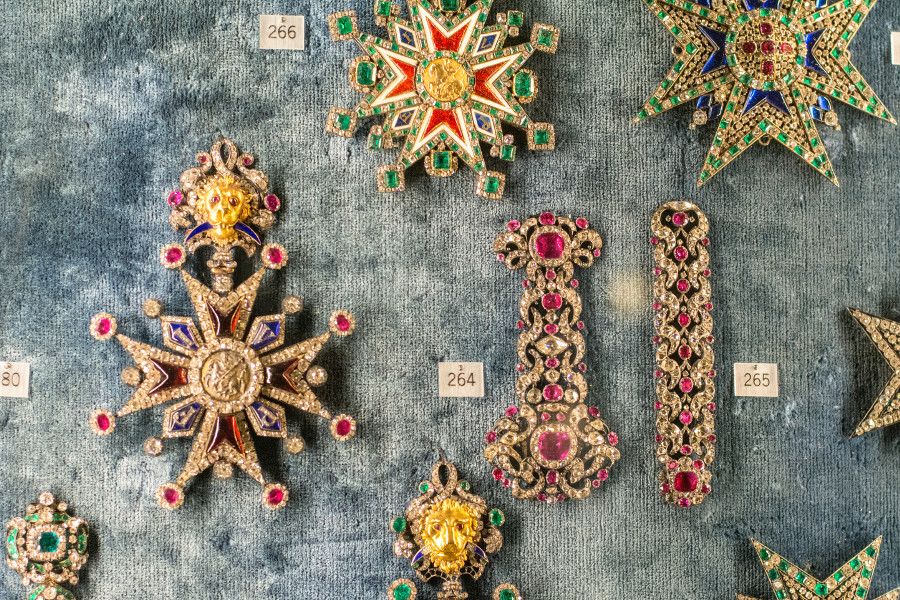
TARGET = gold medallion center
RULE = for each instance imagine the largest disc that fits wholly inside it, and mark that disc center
(225, 375)
(445, 79)
(449, 528)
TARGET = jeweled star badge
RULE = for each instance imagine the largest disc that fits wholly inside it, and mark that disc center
(443, 82)
(851, 581)
(47, 547)
(885, 334)
(224, 374)
(768, 68)
(447, 533)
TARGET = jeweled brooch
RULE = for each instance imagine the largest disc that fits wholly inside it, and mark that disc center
(447, 533)
(443, 82)
(685, 364)
(227, 376)
(851, 581)
(551, 445)
(47, 547)
(767, 69)
(885, 334)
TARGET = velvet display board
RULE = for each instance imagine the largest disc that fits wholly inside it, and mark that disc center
(103, 104)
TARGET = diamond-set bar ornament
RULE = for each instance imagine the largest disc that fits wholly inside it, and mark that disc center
(47, 547)
(443, 82)
(885, 334)
(767, 69)
(685, 364)
(851, 581)
(227, 375)
(447, 533)
(550, 446)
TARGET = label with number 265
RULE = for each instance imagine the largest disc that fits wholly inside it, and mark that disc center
(756, 380)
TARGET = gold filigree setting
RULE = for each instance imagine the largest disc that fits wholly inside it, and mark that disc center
(685, 404)
(551, 446)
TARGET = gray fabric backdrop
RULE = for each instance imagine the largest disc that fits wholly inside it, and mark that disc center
(103, 105)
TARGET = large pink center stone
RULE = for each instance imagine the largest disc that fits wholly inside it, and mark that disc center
(554, 445)
(686, 481)
(549, 245)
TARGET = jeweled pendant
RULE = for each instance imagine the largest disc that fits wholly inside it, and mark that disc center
(226, 377)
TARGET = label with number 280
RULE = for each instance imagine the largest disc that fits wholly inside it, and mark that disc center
(461, 379)
(14, 379)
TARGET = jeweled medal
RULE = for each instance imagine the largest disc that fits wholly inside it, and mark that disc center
(441, 83)
(227, 375)
(766, 70)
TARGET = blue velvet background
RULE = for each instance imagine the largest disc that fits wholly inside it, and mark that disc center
(103, 104)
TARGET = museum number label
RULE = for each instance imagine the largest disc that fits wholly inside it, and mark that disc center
(756, 380)
(14, 379)
(281, 32)
(461, 379)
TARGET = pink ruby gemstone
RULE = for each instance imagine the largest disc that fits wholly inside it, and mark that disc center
(683, 285)
(767, 47)
(343, 427)
(104, 326)
(593, 411)
(174, 198)
(520, 324)
(685, 450)
(685, 502)
(552, 363)
(272, 202)
(553, 392)
(658, 438)
(574, 283)
(170, 495)
(545, 416)
(560, 417)
(554, 445)
(512, 411)
(748, 47)
(520, 367)
(711, 407)
(698, 464)
(275, 256)
(657, 405)
(276, 496)
(501, 257)
(596, 484)
(765, 28)
(551, 328)
(551, 301)
(490, 437)
(679, 219)
(684, 352)
(603, 475)
(686, 385)
(706, 489)
(542, 497)
(686, 481)
(768, 67)
(547, 218)
(686, 418)
(513, 225)
(613, 438)
(581, 223)
(680, 253)
(654, 240)
(550, 274)
(173, 255)
(665, 488)
(580, 325)
(705, 241)
(497, 474)
(684, 320)
(102, 422)
(552, 477)
(342, 322)
(582, 367)
(549, 245)
(786, 48)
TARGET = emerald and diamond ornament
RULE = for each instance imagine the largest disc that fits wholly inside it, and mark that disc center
(226, 375)
(47, 547)
(440, 84)
(447, 533)
(885, 334)
(767, 70)
(851, 581)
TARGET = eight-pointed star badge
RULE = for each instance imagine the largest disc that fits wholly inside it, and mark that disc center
(443, 83)
(767, 69)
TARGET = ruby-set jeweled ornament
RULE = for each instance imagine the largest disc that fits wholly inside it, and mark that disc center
(767, 69)
(447, 533)
(850, 582)
(443, 83)
(885, 334)
(685, 364)
(47, 547)
(550, 446)
(225, 375)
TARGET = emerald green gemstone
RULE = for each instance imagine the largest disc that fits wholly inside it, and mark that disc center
(780, 594)
(523, 85)
(821, 589)
(464, 485)
(508, 152)
(838, 576)
(392, 179)
(384, 8)
(343, 122)
(545, 37)
(450, 5)
(870, 551)
(398, 525)
(36, 592)
(854, 563)
(800, 577)
(507, 595)
(497, 517)
(773, 574)
(783, 565)
(375, 141)
(402, 592)
(441, 160)
(541, 137)
(345, 25)
(764, 553)
(365, 73)
(423, 487)
(861, 592)
(82, 543)
(866, 573)
(515, 18)
(491, 184)
(11, 549)
(48, 542)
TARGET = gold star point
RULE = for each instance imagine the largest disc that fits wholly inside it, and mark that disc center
(885, 334)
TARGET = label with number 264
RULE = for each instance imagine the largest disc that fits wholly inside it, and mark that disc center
(461, 379)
